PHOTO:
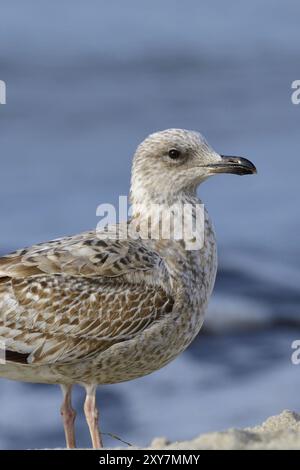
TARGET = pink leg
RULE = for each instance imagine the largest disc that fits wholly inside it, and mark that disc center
(68, 415)
(92, 415)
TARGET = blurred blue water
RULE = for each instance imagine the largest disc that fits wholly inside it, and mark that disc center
(86, 83)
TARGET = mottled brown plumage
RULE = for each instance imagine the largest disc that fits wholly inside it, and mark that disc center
(71, 299)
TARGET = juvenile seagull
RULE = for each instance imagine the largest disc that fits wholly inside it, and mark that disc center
(92, 310)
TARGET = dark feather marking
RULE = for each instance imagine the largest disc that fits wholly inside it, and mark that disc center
(14, 356)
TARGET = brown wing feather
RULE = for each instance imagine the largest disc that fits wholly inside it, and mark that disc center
(85, 254)
(63, 318)
(14, 356)
(66, 300)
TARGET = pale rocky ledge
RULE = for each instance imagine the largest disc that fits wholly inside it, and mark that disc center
(281, 432)
(277, 432)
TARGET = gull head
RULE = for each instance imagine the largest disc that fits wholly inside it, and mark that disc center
(176, 161)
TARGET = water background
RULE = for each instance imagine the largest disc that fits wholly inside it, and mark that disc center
(86, 82)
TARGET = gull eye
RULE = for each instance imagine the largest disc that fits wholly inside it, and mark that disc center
(174, 154)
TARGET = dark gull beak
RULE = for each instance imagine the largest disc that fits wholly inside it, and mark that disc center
(234, 165)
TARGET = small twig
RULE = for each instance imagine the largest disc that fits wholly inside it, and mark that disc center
(114, 436)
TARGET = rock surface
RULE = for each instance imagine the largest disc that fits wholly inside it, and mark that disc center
(277, 432)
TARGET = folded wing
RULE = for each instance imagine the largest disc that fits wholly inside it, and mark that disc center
(68, 299)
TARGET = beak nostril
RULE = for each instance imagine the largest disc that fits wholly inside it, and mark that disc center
(235, 160)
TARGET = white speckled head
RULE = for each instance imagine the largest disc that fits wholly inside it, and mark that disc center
(173, 161)
(168, 162)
